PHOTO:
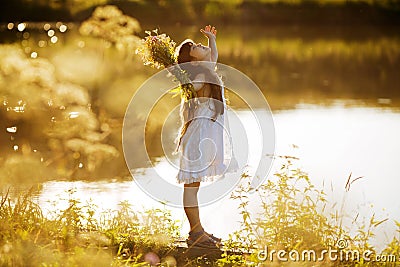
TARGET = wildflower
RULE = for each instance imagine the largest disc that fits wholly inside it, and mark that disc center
(158, 51)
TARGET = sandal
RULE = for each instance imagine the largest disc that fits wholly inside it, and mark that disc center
(216, 239)
(194, 241)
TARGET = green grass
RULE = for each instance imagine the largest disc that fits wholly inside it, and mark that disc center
(75, 237)
(292, 214)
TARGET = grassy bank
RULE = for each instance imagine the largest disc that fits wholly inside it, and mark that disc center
(80, 236)
(293, 215)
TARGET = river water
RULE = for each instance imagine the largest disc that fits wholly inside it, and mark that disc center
(332, 143)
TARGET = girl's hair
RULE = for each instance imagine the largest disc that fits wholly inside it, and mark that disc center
(211, 76)
(184, 52)
(183, 56)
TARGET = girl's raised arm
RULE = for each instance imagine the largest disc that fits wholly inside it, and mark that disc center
(211, 34)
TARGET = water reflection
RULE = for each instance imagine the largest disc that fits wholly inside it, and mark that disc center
(313, 65)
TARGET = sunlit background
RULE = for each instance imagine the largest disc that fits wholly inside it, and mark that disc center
(330, 70)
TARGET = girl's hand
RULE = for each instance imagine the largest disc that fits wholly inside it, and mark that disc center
(209, 32)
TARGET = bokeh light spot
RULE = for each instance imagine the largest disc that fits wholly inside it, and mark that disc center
(81, 44)
(50, 33)
(63, 28)
(54, 39)
(21, 27)
(73, 114)
(46, 26)
(12, 129)
(42, 43)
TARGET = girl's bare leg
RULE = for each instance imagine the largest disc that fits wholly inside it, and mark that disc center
(191, 206)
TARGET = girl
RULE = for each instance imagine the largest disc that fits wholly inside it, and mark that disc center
(201, 138)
